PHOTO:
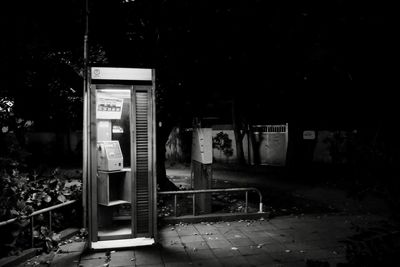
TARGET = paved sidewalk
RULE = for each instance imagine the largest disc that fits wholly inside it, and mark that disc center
(283, 241)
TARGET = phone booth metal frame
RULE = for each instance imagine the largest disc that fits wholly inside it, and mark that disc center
(120, 188)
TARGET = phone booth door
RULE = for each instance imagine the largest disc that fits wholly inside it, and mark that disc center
(122, 193)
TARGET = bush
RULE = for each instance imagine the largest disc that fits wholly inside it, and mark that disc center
(23, 192)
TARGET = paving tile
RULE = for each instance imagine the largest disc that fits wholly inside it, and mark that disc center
(253, 234)
(201, 254)
(236, 261)
(272, 234)
(283, 237)
(178, 264)
(237, 224)
(309, 235)
(187, 231)
(263, 240)
(91, 262)
(299, 263)
(241, 242)
(287, 256)
(196, 245)
(66, 259)
(204, 230)
(171, 241)
(191, 238)
(319, 254)
(175, 257)
(94, 255)
(260, 226)
(148, 255)
(168, 233)
(274, 247)
(250, 250)
(259, 260)
(122, 258)
(207, 263)
(268, 226)
(179, 247)
(213, 237)
(148, 265)
(282, 224)
(225, 252)
(222, 225)
(93, 259)
(226, 230)
(233, 233)
(330, 244)
(302, 246)
(218, 243)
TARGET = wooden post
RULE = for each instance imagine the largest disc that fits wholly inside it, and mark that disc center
(202, 180)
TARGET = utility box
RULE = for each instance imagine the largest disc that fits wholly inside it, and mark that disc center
(202, 145)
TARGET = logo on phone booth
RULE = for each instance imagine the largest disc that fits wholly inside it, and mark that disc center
(96, 73)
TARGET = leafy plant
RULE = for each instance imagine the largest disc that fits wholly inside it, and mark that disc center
(223, 143)
(21, 193)
(46, 239)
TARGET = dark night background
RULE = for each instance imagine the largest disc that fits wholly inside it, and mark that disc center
(313, 64)
(325, 62)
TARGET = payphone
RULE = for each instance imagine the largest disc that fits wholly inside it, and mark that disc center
(121, 173)
(109, 156)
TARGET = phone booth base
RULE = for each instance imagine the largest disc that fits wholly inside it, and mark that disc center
(122, 243)
(121, 174)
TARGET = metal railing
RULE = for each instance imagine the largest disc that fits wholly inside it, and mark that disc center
(201, 191)
(38, 212)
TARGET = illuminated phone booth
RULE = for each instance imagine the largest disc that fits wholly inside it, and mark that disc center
(121, 183)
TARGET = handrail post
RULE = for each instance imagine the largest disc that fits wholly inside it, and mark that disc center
(50, 221)
(32, 229)
(246, 206)
(194, 204)
(175, 205)
(261, 204)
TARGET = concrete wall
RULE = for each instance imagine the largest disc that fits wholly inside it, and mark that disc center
(175, 146)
